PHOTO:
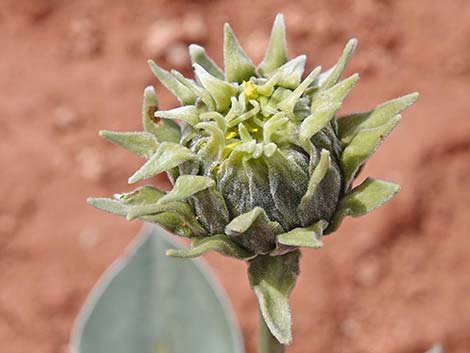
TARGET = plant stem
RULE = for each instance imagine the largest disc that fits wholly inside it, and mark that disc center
(267, 343)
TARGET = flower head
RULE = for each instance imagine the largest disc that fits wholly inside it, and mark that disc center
(260, 163)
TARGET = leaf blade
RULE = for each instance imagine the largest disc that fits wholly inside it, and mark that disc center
(276, 53)
(154, 314)
(219, 243)
(365, 198)
(238, 66)
(167, 156)
(142, 144)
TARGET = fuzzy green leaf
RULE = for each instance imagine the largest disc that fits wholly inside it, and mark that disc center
(238, 66)
(143, 195)
(182, 209)
(332, 76)
(167, 156)
(350, 125)
(175, 219)
(220, 90)
(290, 74)
(142, 144)
(276, 54)
(219, 242)
(254, 231)
(199, 91)
(324, 107)
(199, 56)
(170, 221)
(186, 186)
(362, 146)
(141, 305)
(368, 196)
(272, 279)
(308, 237)
(108, 205)
(162, 129)
(184, 95)
(188, 113)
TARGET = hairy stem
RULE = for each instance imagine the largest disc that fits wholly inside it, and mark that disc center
(267, 343)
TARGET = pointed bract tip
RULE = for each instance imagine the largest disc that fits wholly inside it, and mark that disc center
(149, 90)
(414, 96)
(279, 22)
(195, 48)
(352, 43)
(227, 28)
(132, 179)
(154, 66)
(279, 17)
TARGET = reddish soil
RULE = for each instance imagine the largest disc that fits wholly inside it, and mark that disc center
(395, 281)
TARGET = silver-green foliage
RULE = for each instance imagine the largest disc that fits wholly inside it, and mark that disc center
(147, 302)
(261, 164)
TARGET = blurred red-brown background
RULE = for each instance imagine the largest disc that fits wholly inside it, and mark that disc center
(395, 281)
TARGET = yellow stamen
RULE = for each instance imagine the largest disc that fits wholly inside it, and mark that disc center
(250, 89)
(230, 135)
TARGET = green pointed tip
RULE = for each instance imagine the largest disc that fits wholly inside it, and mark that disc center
(199, 56)
(221, 91)
(133, 179)
(184, 94)
(150, 96)
(238, 66)
(276, 53)
(279, 20)
(333, 75)
(195, 50)
(228, 30)
(413, 97)
(91, 201)
(154, 67)
(290, 74)
(352, 44)
(141, 143)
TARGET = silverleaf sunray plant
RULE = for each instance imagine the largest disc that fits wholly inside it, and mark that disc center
(260, 163)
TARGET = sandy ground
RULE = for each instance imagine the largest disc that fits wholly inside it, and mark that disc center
(395, 281)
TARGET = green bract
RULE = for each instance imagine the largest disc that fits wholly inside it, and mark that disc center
(260, 163)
